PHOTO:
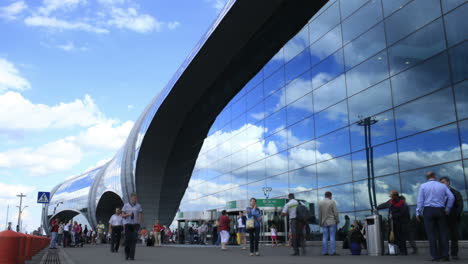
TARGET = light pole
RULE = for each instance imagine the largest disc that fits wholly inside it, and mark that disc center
(20, 208)
(7, 215)
(267, 191)
(367, 122)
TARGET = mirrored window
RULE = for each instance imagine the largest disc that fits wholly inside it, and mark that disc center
(448, 5)
(342, 194)
(278, 185)
(461, 96)
(348, 7)
(276, 142)
(327, 70)
(455, 25)
(363, 19)
(298, 88)
(254, 96)
(256, 113)
(297, 66)
(385, 161)
(326, 46)
(256, 189)
(425, 113)
(364, 46)
(367, 74)
(329, 94)
(274, 82)
(464, 137)
(390, 6)
(256, 171)
(333, 145)
(276, 164)
(458, 59)
(414, 152)
(422, 79)
(370, 102)
(324, 22)
(303, 179)
(275, 63)
(411, 17)
(302, 155)
(297, 44)
(383, 186)
(301, 132)
(275, 101)
(300, 109)
(331, 119)
(421, 45)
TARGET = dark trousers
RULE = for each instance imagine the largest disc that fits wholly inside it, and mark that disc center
(435, 223)
(453, 223)
(66, 238)
(297, 232)
(400, 230)
(115, 238)
(254, 236)
(131, 237)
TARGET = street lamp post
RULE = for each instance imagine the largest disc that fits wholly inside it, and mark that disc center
(367, 122)
(20, 208)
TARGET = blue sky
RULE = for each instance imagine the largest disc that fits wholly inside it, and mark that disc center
(75, 75)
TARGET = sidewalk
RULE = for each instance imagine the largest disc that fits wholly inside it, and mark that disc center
(211, 255)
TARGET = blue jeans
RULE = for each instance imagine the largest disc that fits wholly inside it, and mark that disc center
(53, 240)
(329, 231)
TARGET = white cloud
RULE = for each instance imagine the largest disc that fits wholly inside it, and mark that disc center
(11, 11)
(54, 23)
(10, 77)
(24, 114)
(217, 4)
(50, 6)
(129, 107)
(107, 135)
(129, 18)
(173, 25)
(67, 47)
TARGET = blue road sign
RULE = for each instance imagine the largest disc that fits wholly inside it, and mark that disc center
(43, 197)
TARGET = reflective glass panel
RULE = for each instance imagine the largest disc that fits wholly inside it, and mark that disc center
(275, 62)
(277, 183)
(274, 82)
(461, 96)
(331, 119)
(330, 93)
(275, 101)
(367, 74)
(254, 96)
(359, 22)
(414, 152)
(302, 155)
(297, 66)
(324, 22)
(326, 46)
(411, 17)
(276, 164)
(297, 44)
(464, 137)
(421, 45)
(370, 102)
(300, 109)
(301, 132)
(275, 122)
(448, 5)
(347, 7)
(256, 171)
(455, 25)
(390, 6)
(365, 46)
(422, 79)
(342, 194)
(327, 69)
(298, 88)
(458, 59)
(303, 179)
(425, 113)
(383, 186)
(333, 145)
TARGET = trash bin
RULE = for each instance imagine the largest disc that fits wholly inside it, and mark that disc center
(375, 245)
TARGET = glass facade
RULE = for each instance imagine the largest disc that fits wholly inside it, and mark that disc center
(293, 126)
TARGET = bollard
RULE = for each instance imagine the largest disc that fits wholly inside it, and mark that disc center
(9, 247)
(22, 249)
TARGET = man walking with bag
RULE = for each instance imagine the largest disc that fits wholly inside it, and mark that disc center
(454, 218)
(132, 214)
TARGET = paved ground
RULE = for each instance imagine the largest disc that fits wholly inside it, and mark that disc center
(208, 255)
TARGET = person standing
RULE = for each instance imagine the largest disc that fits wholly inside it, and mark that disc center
(157, 227)
(54, 230)
(454, 217)
(434, 202)
(328, 220)
(132, 215)
(224, 228)
(115, 229)
(274, 236)
(60, 234)
(66, 234)
(203, 231)
(254, 215)
(295, 225)
(100, 232)
(241, 222)
(399, 213)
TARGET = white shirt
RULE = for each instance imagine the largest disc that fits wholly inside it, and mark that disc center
(128, 209)
(66, 228)
(239, 223)
(273, 231)
(290, 208)
(116, 220)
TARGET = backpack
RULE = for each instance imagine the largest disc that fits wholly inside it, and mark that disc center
(303, 214)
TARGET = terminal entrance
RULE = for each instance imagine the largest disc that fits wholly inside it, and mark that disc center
(106, 206)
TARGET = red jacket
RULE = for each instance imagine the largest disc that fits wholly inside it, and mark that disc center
(55, 226)
(224, 223)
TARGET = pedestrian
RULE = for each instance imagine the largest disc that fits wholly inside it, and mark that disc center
(241, 222)
(66, 234)
(157, 227)
(202, 232)
(295, 225)
(191, 232)
(85, 234)
(254, 220)
(115, 229)
(224, 228)
(60, 234)
(400, 219)
(143, 235)
(355, 238)
(132, 214)
(54, 231)
(215, 233)
(100, 232)
(274, 236)
(76, 232)
(434, 202)
(454, 218)
(328, 220)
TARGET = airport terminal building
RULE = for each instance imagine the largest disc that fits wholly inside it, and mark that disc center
(274, 109)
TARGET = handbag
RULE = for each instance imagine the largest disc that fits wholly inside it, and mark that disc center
(250, 224)
(392, 249)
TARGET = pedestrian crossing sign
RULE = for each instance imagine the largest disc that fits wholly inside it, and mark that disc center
(43, 197)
